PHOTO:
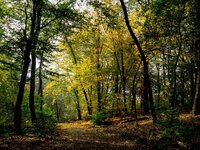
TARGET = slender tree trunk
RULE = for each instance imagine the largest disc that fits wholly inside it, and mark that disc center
(33, 64)
(18, 111)
(133, 92)
(99, 104)
(117, 111)
(196, 104)
(145, 97)
(145, 64)
(89, 105)
(182, 89)
(32, 87)
(173, 97)
(99, 107)
(89, 108)
(123, 79)
(40, 89)
(29, 46)
(57, 111)
(192, 83)
(134, 101)
(78, 104)
(158, 84)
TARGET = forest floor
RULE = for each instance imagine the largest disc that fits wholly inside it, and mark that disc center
(120, 134)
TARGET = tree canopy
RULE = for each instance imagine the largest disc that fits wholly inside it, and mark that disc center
(64, 60)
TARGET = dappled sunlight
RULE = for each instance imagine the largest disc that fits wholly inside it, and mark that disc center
(76, 124)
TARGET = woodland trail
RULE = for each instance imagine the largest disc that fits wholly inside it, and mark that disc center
(83, 135)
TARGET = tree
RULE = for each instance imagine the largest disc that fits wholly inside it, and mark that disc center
(40, 18)
(30, 45)
(196, 104)
(147, 81)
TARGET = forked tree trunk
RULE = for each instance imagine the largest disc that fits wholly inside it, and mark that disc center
(33, 65)
(29, 46)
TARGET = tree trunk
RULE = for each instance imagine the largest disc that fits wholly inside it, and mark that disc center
(32, 87)
(78, 104)
(40, 89)
(173, 97)
(158, 84)
(123, 79)
(145, 64)
(196, 104)
(33, 65)
(182, 89)
(134, 101)
(89, 105)
(145, 97)
(99, 104)
(99, 107)
(31, 41)
(89, 108)
(57, 111)
(18, 111)
(117, 111)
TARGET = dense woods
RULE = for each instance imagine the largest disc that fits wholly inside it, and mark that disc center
(69, 60)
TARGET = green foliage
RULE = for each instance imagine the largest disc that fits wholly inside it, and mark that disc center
(99, 118)
(167, 116)
(181, 131)
(46, 123)
(172, 127)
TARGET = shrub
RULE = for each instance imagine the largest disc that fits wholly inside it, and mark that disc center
(99, 118)
(46, 122)
(167, 116)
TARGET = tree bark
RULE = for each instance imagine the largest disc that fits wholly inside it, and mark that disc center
(33, 56)
(134, 101)
(57, 111)
(123, 79)
(99, 104)
(196, 104)
(145, 64)
(78, 104)
(18, 111)
(173, 97)
(32, 87)
(158, 84)
(40, 89)
(29, 46)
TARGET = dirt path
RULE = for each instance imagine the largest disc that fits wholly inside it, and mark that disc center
(82, 135)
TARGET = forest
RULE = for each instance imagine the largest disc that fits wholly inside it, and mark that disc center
(99, 74)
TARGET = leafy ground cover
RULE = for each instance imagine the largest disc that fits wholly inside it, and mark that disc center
(120, 134)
